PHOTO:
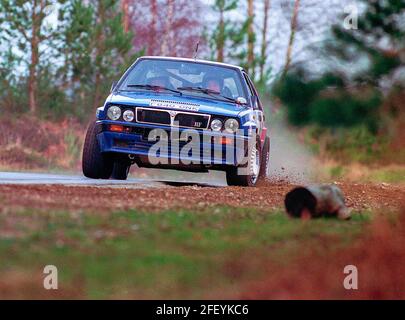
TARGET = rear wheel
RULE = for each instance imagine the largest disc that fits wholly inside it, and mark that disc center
(265, 161)
(247, 175)
(121, 170)
(95, 164)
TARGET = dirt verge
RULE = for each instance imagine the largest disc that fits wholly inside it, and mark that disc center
(106, 199)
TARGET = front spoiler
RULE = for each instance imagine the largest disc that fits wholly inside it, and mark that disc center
(206, 151)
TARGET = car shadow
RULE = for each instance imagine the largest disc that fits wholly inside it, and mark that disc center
(190, 184)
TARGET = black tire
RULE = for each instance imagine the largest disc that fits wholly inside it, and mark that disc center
(121, 170)
(234, 176)
(95, 164)
(265, 160)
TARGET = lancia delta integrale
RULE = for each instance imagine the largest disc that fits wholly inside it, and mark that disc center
(182, 114)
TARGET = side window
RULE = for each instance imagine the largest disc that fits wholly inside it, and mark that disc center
(253, 92)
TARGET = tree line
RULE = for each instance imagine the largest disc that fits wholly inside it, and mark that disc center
(59, 57)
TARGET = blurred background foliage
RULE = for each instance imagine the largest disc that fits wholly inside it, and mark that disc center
(354, 107)
(59, 58)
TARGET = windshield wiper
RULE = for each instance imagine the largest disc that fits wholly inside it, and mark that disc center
(206, 91)
(154, 88)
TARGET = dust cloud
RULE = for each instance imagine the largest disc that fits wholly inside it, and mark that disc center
(290, 159)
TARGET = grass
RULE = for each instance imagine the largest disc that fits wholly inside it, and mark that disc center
(352, 145)
(363, 174)
(391, 175)
(162, 255)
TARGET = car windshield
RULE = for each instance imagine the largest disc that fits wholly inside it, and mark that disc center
(184, 78)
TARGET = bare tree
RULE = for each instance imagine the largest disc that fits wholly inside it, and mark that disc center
(292, 36)
(221, 36)
(34, 41)
(169, 27)
(164, 49)
(221, 32)
(125, 15)
(263, 51)
(154, 14)
(251, 36)
(24, 24)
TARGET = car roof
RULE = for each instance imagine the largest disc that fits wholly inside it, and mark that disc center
(221, 64)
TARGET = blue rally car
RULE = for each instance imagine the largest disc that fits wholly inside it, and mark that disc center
(183, 114)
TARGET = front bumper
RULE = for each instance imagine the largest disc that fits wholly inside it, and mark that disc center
(209, 148)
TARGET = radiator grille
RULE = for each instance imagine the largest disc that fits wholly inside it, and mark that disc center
(152, 116)
(196, 121)
(172, 118)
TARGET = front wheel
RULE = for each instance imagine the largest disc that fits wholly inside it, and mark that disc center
(246, 175)
(95, 164)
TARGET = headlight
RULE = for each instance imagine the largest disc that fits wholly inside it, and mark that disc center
(216, 125)
(231, 125)
(114, 112)
(128, 115)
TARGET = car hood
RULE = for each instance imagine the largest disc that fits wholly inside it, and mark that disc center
(195, 104)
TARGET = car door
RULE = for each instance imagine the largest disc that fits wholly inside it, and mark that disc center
(257, 109)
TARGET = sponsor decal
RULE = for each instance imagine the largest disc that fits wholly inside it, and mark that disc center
(174, 105)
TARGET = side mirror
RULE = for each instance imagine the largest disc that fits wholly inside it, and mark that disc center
(114, 84)
(241, 100)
